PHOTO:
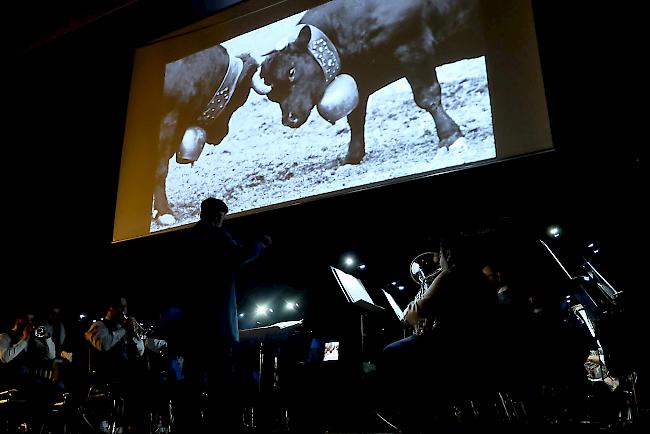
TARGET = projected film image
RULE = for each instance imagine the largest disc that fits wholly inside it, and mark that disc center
(336, 107)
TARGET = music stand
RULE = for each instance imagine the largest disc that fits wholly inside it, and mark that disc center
(399, 312)
(355, 293)
(262, 333)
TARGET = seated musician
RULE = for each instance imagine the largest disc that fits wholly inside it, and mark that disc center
(25, 363)
(450, 331)
(117, 359)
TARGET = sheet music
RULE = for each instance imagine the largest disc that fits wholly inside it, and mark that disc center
(269, 329)
(354, 290)
(398, 311)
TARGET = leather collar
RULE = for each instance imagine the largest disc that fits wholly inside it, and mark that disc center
(225, 91)
(325, 53)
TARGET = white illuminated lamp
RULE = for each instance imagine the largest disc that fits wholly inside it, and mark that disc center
(401, 287)
(554, 231)
(290, 305)
(362, 267)
(349, 261)
(393, 283)
(261, 310)
(596, 251)
(590, 245)
(241, 315)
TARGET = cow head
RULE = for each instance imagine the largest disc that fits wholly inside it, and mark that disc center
(296, 79)
(305, 73)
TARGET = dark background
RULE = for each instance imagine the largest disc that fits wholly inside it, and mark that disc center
(68, 77)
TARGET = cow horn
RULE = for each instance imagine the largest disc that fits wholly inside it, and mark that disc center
(258, 83)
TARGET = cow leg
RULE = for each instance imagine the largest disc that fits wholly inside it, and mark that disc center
(428, 95)
(168, 136)
(161, 205)
(357, 122)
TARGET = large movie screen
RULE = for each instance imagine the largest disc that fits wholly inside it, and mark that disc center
(292, 101)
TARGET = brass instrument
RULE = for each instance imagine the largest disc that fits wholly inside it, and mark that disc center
(424, 268)
(138, 329)
(41, 332)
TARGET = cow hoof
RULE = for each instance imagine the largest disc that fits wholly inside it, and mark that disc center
(451, 140)
(166, 220)
(459, 145)
(353, 159)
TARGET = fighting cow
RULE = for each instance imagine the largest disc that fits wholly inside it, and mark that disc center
(201, 93)
(376, 42)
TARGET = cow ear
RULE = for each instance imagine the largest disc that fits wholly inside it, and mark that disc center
(302, 41)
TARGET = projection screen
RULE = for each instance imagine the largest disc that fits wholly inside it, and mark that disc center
(175, 154)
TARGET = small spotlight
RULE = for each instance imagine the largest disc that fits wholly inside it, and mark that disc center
(393, 283)
(349, 261)
(401, 287)
(596, 251)
(82, 316)
(290, 305)
(590, 245)
(362, 267)
(241, 315)
(270, 310)
(554, 231)
(261, 310)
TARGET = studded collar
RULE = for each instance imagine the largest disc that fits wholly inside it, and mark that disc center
(325, 53)
(225, 91)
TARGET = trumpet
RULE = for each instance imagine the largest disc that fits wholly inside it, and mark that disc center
(138, 329)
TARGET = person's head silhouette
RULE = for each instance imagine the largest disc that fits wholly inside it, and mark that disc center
(213, 211)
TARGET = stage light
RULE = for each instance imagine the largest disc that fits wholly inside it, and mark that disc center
(393, 283)
(290, 305)
(401, 287)
(596, 251)
(261, 310)
(362, 267)
(349, 261)
(241, 315)
(554, 231)
(590, 245)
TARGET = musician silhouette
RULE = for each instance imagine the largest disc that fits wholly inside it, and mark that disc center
(24, 356)
(117, 358)
(434, 364)
(213, 310)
